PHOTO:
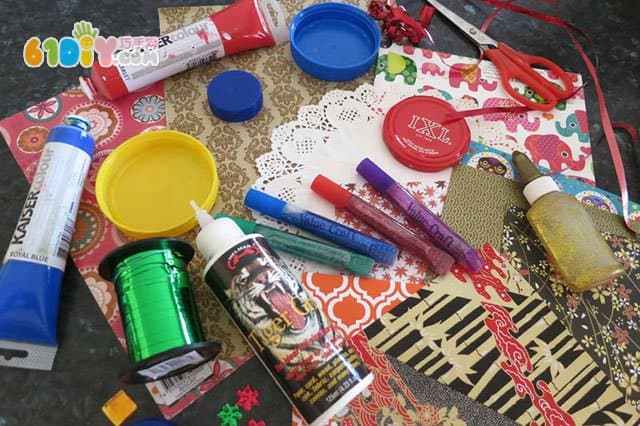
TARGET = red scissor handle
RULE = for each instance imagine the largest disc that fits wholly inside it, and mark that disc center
(512, 64)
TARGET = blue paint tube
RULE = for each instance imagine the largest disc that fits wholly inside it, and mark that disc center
(31, 274)
(322, 227)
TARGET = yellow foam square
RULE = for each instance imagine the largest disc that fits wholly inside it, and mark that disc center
(119, 407)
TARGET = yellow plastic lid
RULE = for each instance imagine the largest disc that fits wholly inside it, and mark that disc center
(144, 186)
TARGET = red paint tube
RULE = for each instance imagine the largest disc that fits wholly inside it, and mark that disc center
(245, 25)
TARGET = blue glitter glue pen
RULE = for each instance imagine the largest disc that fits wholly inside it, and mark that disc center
(322, 227)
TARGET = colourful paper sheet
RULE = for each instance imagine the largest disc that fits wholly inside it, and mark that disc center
(605, 319)
(351, 302)
(557, 139)
(112, 123)
(506, 350)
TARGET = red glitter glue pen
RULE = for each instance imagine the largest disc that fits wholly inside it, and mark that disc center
(443, 236)
(434, 258)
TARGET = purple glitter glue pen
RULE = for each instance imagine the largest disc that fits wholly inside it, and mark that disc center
(446, 238)
(434, 258)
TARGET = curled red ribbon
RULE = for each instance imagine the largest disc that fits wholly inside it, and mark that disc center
(398, 24)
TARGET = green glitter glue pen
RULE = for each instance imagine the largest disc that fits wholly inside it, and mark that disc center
(307, 248)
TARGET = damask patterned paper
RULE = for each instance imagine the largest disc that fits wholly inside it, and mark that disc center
(605, 319)
(94, 237)
(506, 350)
(235, 146)
(557, 139)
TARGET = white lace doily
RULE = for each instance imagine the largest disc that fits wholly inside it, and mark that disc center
(331, 138)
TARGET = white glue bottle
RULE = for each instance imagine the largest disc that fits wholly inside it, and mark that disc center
(309, 360)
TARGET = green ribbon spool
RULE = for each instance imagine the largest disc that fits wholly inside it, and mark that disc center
(161, 323)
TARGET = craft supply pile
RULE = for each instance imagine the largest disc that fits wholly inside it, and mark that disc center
(425, 209)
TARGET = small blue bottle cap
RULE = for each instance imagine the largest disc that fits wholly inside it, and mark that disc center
(373, 174)
(334, 41)
(235, 95)
(264, 203)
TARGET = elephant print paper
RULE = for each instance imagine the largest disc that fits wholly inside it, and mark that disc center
(557, 140)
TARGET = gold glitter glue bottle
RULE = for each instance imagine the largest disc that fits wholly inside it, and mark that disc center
(575, 246)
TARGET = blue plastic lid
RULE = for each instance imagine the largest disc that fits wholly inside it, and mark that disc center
(264, 203)
(235, 95)
(334, 41)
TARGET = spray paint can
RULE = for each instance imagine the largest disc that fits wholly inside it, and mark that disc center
(309, 360)
(31, 274)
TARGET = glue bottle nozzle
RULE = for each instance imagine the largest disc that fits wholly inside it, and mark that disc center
(202, 216)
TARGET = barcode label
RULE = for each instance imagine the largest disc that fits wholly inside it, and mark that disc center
(45, 227)
(65, 239)
(175, 387)
(201, 61)
(170, 365)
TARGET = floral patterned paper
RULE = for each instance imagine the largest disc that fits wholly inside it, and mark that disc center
(94, 236)
(605, 319)
(408, 269)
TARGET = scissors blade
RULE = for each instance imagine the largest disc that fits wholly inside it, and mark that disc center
(473, 32)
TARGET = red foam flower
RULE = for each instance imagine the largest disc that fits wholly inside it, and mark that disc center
(247, 398)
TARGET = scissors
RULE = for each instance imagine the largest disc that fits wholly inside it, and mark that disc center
(512, 64)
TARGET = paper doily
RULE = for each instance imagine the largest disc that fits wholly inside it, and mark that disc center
(331, 138)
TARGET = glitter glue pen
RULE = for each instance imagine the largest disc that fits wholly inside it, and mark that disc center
(307, 248)
(311, 362)
(244, 25)
(435, 259)
(438, 231)
(322, 227)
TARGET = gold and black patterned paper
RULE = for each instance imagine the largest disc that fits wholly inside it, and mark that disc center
(604, 319)
(448, 336)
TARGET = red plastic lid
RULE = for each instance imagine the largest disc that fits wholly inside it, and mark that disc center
(415, 135)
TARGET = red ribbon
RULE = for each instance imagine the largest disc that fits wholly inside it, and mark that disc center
(398, 24)
(604, 113)
(453, 116)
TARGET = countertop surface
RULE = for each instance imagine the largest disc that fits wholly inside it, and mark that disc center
(89, 356)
